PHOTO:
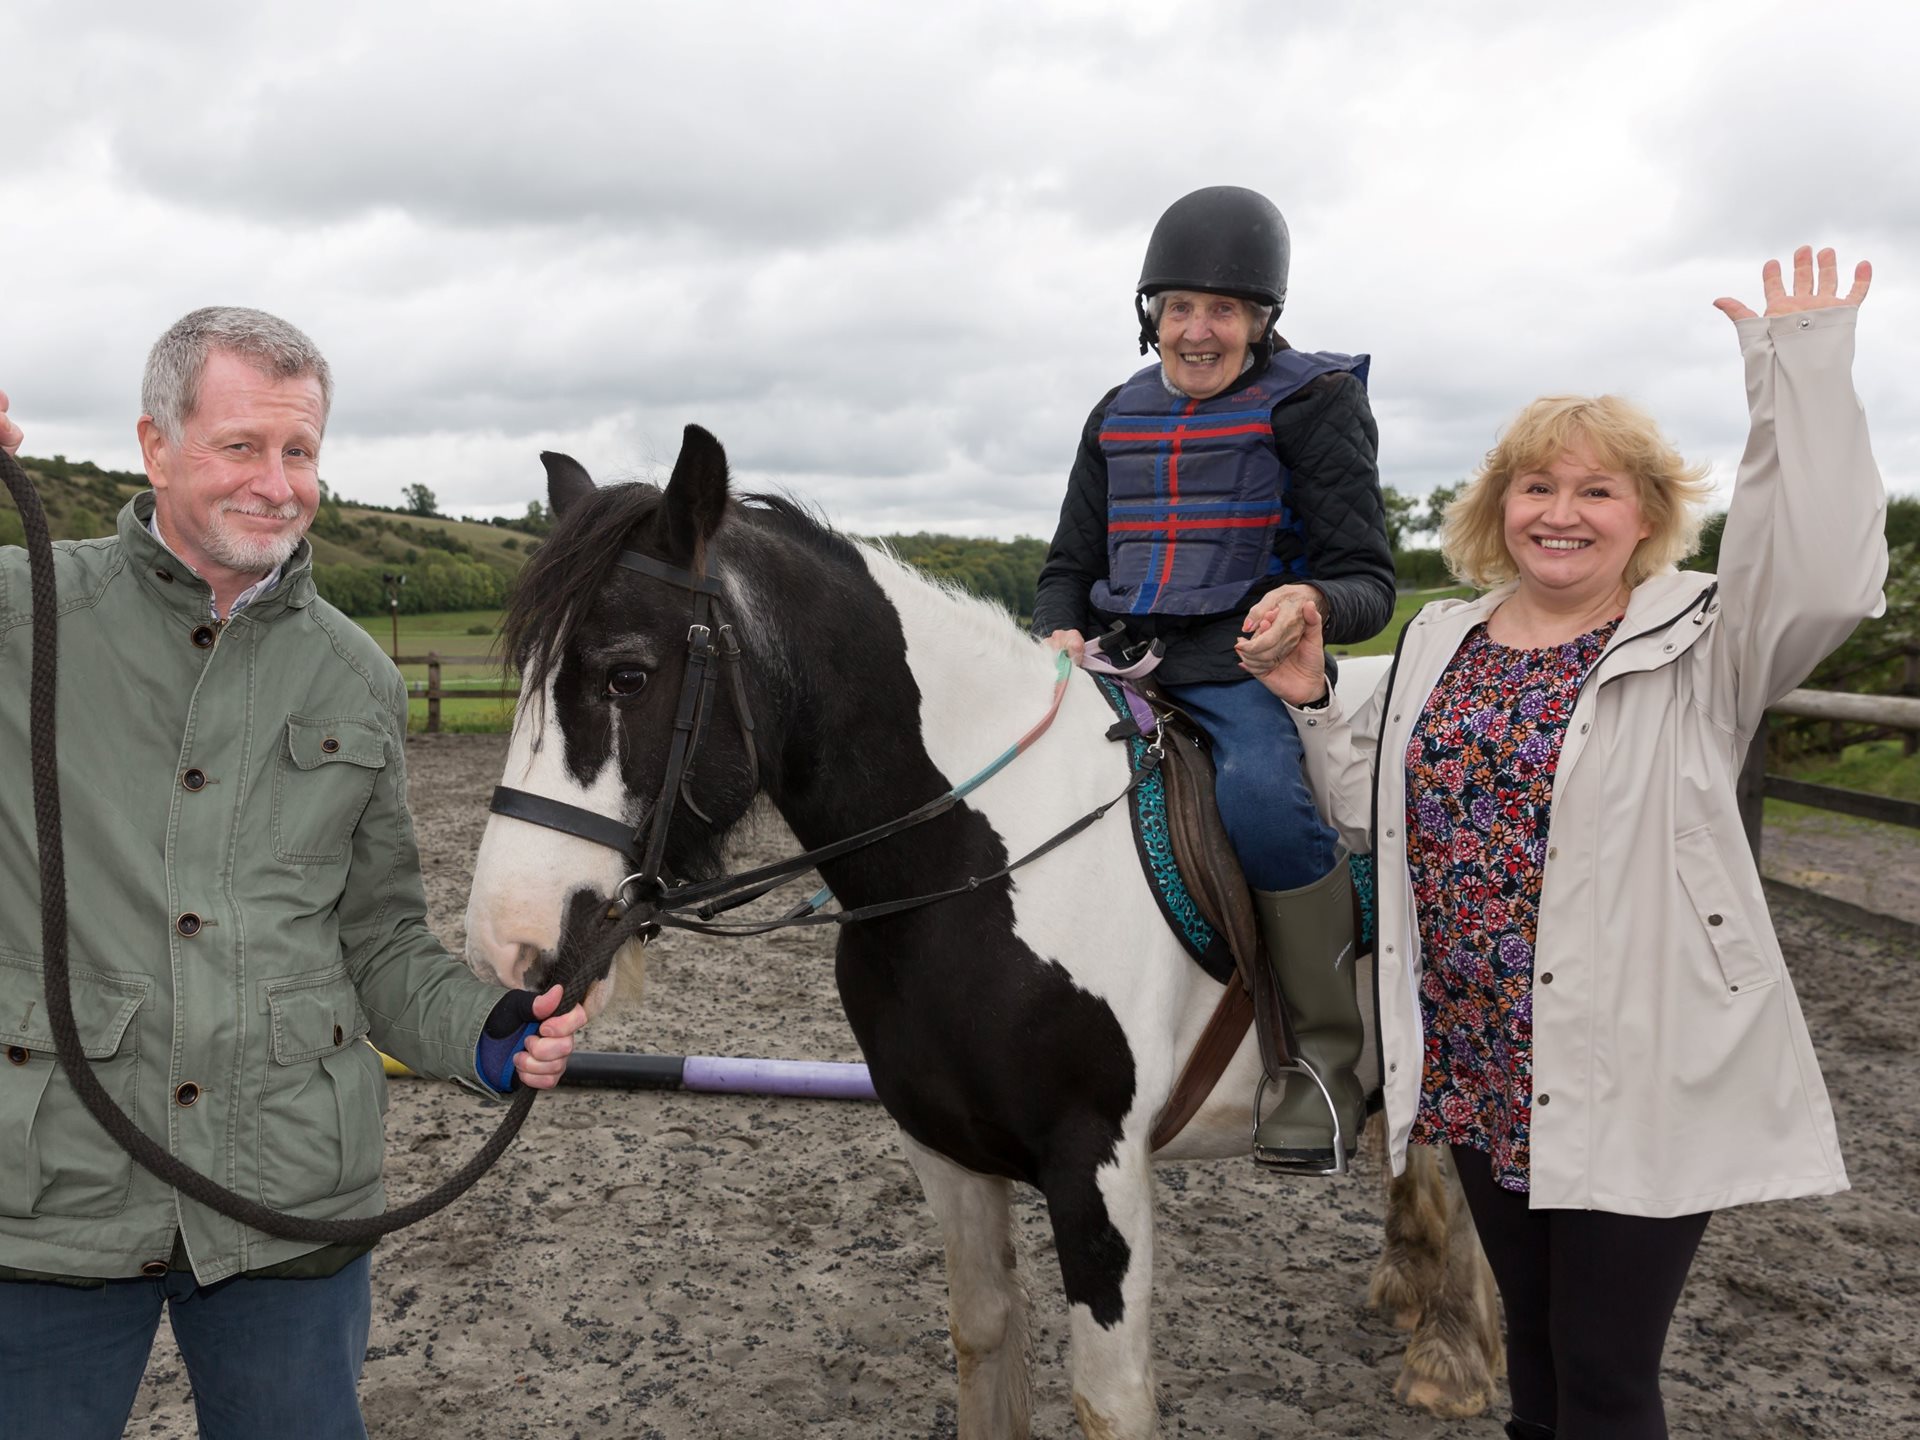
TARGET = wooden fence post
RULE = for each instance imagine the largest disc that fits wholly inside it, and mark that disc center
(1751, 789)
(433, 692)
(1910, 685)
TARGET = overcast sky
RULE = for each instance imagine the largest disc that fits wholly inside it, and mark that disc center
(886, 252)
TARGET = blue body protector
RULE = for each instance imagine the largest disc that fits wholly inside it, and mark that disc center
(1196, 494)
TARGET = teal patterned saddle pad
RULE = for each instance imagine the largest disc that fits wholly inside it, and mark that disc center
(1154, 840)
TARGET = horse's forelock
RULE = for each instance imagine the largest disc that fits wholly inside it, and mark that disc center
(559, 584)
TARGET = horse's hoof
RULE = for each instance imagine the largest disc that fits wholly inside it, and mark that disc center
(1423, 1392)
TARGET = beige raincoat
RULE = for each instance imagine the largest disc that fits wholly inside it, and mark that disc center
(1672, 1068)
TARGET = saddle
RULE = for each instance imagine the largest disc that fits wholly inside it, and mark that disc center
(1197, 882)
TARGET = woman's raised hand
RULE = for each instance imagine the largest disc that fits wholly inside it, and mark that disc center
(1808, 293)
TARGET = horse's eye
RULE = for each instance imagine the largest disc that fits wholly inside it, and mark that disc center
(626, 680)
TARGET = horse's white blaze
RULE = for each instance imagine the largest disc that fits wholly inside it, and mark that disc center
(525, 872)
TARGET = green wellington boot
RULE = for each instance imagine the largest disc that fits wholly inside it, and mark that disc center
(1308, 938)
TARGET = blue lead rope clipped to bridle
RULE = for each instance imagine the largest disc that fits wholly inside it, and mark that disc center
(152, 1156)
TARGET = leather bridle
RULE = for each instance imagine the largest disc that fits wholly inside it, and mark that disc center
(644, 902)
(645, 845)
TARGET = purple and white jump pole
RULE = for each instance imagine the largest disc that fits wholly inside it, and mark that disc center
(719, 1075)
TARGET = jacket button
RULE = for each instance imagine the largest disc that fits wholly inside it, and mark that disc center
(1542, 1099)
(18, 1054)
(193, 779)
(330, 745)
(1394, 1068)
(187, 1093)
(1547, 979)
(339, 1035)
(202, 636)
(188, 924)
(1585, 726)
(154, 1269)
(1553, 852)
(1716, 919)
(166, 575)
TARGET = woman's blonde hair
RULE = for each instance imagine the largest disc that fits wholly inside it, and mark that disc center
(1673, 494)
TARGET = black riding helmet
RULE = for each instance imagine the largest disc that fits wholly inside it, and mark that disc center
(1223, 239)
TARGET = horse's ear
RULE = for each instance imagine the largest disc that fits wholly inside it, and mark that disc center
(568, 482)
(696, 494)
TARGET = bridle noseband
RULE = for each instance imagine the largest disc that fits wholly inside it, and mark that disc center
(645, 845)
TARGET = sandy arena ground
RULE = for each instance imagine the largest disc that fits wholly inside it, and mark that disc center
(666, 1266)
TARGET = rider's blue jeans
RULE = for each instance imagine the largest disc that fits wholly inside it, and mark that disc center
(1269, 813)
(266, 1358)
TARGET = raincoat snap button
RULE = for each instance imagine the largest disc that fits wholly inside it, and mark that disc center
(18, 1054)
(1547, 979)
(330, 745)
(154, 1269)
(194, 779)
(187, 1093)
(1716, 919)
(202, 636)
(188, 924)
(339, 1035)
(1543, 1099)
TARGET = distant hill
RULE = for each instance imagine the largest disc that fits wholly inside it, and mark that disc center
(462, 564)
(449, 564)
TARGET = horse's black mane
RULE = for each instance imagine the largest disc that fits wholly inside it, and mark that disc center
(559, 584)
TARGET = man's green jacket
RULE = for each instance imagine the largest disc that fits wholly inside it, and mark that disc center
(246, 911)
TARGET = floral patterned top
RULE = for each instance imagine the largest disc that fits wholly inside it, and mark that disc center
(1480, 767)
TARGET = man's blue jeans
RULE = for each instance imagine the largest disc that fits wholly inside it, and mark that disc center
(267, 1358)
(1264, 802)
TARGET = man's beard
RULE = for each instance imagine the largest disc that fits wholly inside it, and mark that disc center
(250, 554)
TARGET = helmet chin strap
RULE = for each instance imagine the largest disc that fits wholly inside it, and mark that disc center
(1263, 347)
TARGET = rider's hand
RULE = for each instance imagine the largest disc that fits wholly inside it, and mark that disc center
(1071, 641)
(10, 436)
(1810, 292)
(1300, 676)
(1274, 626)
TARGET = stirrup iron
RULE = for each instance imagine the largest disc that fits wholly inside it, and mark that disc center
(1283, 1161)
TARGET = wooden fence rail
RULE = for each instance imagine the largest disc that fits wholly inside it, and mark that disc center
(1892, 712)
(435, 690)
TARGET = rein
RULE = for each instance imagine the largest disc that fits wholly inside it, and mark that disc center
(53, 941)
(654, 905)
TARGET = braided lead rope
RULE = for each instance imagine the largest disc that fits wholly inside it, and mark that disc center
(53, 941)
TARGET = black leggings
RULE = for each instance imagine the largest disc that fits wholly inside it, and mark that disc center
(1588, 1297)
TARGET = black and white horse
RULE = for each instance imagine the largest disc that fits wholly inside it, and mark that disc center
(1029, 1031)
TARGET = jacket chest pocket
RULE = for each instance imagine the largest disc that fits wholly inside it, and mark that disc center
(320, 1126)
(54, 1158)
(321, 785)
(1724, 913)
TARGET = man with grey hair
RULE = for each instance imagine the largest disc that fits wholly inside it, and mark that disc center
(247, 915)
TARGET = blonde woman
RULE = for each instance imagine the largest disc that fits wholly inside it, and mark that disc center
(1580, 989)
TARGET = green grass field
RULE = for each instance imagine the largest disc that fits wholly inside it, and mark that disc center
(451, 633)
(1875, 766)
(1405, 607)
